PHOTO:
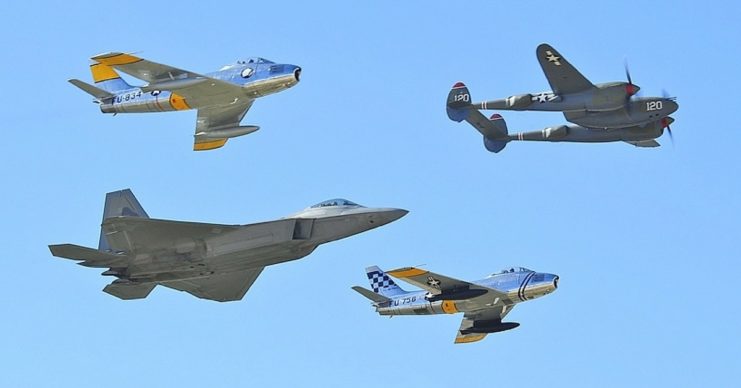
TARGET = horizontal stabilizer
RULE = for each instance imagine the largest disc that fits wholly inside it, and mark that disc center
(129, 290)
(376, 298)
(98, 93)
(90, 257)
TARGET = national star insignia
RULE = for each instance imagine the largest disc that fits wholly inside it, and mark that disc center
(552, 58)
(432, 282)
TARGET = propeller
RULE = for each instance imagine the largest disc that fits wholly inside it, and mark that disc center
(667, 96)
(665, 122)
(630, 89)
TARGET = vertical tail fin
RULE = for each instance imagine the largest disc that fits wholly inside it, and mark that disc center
(107, 78)
(381, 283)
(459, 102)
(495, 134)
(117, 204)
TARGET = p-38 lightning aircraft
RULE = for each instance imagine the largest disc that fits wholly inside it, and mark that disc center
(484, 302)
(222, 98)
(601, 112)
(210, 261)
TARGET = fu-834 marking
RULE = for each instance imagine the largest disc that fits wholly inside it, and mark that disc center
(128, 96)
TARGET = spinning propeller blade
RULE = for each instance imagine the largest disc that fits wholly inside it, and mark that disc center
(665, 122)
(630, 89)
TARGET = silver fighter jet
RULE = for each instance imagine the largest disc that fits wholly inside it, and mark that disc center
(484, 303)
(222, 98)
(210, 261)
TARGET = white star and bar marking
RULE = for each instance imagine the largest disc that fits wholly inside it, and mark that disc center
(552, 58)
(432, 282)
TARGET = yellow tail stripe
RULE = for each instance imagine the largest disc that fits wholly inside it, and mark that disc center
(118, 59)
(209, 145)
(103, 72)
(407, 272)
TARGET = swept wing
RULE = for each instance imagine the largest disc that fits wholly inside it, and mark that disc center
(486, 319)
(437, 284)
(215, 124)
(222, 288)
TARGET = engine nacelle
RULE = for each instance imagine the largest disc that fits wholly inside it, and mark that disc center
(556, 132)
(519, 101)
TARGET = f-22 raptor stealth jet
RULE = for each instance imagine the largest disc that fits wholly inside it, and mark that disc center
(222, 98)
(599, 112)
(484, 303)
(210, 261)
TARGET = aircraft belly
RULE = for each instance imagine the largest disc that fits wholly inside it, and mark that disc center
(187, 266)
(418, 305)
(249, 238)
(261, 257)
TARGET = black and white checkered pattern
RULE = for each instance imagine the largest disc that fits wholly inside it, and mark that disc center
(379, 280)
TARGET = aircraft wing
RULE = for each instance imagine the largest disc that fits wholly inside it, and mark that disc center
(196, 89)
(438, 284)
(563, 77)
(135, 233)
(478, 317)
(219, 117)
(222, 288)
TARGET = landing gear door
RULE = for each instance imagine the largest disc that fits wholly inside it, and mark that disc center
(302, 229)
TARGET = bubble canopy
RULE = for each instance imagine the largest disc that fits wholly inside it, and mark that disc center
(254, 60)
(512, 270)
(334, 202)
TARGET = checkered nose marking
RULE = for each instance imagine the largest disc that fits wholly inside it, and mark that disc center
(379, 280)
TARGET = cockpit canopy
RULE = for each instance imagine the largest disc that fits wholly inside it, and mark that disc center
(254, 60)
(248, 61)
(512, 270)
(334, 202)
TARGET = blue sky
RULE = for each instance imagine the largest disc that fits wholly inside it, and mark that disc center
(645, 240)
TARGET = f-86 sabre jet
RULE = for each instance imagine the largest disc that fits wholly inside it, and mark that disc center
(600, 112)
(484, 302)
(210, 261)
(222, 98)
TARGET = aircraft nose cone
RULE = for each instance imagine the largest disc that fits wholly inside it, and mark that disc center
(395, 214)
(385, 216)
(297, 73)
(672, 106)
(555, 282)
